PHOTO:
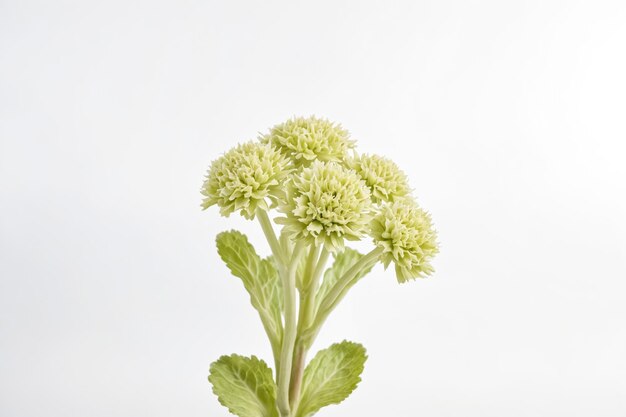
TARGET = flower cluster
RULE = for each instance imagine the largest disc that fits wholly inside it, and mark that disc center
(326, 193)
(405, 233)
(326, 203)
(384, 178)
(307, 139)
(245, 178)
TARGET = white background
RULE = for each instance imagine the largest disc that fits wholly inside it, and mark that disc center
(508, 117)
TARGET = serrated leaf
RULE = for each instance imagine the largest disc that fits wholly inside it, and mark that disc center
(244, 386)
(331, 376)
(259, 276)
(343, 262)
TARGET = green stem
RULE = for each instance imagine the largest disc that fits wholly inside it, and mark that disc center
(302, 345)
(275, 336)
(314, 252)
(290, 333)
(305, 290)
(278, 253)
(336, 294)
(310, 296)
(268, 230)
(297, 373)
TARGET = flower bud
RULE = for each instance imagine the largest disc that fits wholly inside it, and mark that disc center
(406, 234)
(326, 203)
(247, 177)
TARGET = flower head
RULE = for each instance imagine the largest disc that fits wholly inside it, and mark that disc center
(326, 203)
(386, 181)
(307, 139)
(406, 234)
(245, 178)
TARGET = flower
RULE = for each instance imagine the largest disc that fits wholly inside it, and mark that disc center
(406, 235)
(326, 203)
(386, 181)
(307, 139)
(245, 178)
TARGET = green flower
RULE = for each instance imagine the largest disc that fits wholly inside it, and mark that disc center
(406, 234)
(326, 203)
(307, 139)
(386, 181)
(245, 178)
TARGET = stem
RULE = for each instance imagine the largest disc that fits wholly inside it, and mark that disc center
(278, 253)
(340, 289)
(290, 333)
(309, 301)
(297, 373)
(275, 340)
(268, 230)
(310, 265)
(307, 304)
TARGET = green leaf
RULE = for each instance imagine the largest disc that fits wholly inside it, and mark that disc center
(343, 262)
(244, 386)
(331, 376)
(259, 277)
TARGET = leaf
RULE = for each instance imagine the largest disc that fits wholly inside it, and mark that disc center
(259, 277)
(244, 386)
(343, 262)
(331, 376)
